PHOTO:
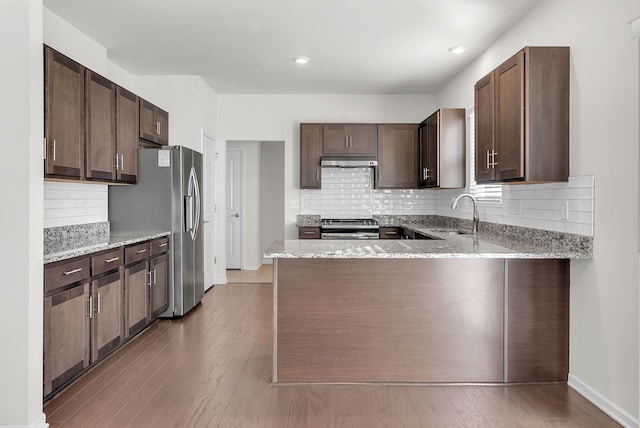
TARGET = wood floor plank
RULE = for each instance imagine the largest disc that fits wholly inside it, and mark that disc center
(212, 368)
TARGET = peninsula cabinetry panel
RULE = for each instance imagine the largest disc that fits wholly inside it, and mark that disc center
(522, 118)
(443, 150)
(64, 116)
(310, 155)
(397, 157)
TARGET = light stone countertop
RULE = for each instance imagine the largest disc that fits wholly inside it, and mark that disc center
(447, 246)
(116, 239)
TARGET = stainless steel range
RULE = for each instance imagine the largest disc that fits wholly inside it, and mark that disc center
(343, 228)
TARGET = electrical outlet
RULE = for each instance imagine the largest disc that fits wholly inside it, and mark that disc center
(565, 211)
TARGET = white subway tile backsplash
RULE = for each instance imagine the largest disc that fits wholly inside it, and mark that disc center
(67, 204)
(349, 193)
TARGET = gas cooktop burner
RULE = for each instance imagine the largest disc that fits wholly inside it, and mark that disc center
(352, 223)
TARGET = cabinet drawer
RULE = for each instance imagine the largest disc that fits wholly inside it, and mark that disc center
(390, 232)
(106, 262)
(59, 275)
(308, 233)
(135, 253)
(159, 246)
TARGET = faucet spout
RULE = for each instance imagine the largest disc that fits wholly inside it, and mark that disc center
(476, 216)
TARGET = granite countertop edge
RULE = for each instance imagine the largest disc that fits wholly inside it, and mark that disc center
(116, 239)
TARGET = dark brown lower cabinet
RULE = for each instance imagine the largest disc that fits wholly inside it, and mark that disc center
(159, 289)
(390, 232)
(137, 300)
(94, 303)
(66, 336)
(106, 318)
(305, 232)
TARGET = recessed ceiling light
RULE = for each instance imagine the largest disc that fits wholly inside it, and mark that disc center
(456, 49)
(301, 59)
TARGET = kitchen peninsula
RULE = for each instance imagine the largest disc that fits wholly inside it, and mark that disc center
(459, 308)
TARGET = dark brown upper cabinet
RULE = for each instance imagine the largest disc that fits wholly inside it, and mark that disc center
(100, 127)
(127, 134)
(154, 123)
(522, 118)
(443, 150)
(350, 139)
(310, 154)
(397, 156)
(63, 116)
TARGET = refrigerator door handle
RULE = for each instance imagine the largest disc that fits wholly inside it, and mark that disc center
(188, 213)
(196, 192)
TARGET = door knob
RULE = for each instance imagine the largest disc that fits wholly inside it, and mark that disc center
(236, 215)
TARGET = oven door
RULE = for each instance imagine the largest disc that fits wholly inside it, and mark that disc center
(350, 235)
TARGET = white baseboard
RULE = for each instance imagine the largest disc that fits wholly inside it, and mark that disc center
(267, 261)
(221, 280)
(251, 267)
(602, 402)
(39, 422)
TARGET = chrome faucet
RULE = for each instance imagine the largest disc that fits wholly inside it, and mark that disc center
(476, 216)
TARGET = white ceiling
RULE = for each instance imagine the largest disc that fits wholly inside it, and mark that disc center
(247, 46)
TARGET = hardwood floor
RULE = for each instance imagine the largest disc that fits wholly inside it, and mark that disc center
(212, 368)
(262, 275)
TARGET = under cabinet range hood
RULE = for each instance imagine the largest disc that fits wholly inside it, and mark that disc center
(348, 161)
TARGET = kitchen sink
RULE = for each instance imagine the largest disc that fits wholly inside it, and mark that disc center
(450, 231)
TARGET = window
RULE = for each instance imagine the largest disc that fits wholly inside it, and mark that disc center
(490, 193)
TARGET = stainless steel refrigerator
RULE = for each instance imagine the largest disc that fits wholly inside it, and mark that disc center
(167, 197)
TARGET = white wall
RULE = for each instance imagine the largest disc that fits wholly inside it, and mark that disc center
(21, 130)
(604, 143)
(271, 194)
(278, 118)
(251, 223)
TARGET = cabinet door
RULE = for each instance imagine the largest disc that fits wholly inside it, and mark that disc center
(509, 126)
(363, 139)
(306, 232)
(66, 336)
(484, 112)
(106, 324)
(310, 154)
(127, 134)
(159, 270)
(148, 126)
(136, 298)
(63, 116)
(100, 126)
(423, 154)
(335, 139)
(397, 157)
(162, 123)
(432, 171)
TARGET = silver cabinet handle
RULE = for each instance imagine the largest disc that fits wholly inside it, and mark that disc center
(493, 159)
(149, 283)
(306, 232)
(117, 162)
(350, 141)
(90, 300)
(122, 162)
(163, 245)
(54, 149)
(317, 174)
(98, 305)
(71, 272)
(141, 251)
(154, 277)
(391, 233)
(112, 260)
(45, 148)
(158, 127)
(488, 163)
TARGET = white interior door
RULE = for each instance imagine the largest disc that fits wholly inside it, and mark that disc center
(209, 211)
(234, 214)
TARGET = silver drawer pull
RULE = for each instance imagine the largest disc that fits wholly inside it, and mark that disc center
(112, 260)
(309, 233)
(141, 251)
(163, 245)
(71, 272)
(391, 233)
